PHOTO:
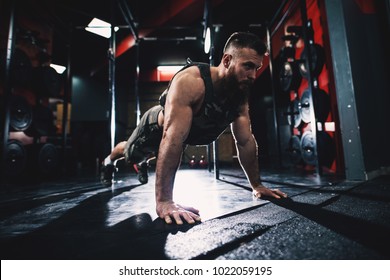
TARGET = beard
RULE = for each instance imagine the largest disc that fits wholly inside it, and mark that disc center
(239, 91)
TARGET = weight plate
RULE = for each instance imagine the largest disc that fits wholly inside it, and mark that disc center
(21, 70)
(15, 158)
(305, 106)
(308, 148)
(321, 102)
(293, 113)
(294, 149)
(48, 159)
(325, 148)
(289, 77)
(287, 52)
(20, 113)
(317, 60)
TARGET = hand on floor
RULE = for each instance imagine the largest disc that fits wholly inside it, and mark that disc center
(261, 191)
(169, 211)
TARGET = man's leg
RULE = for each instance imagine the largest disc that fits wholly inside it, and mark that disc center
(141, 146)
(144, 143)
(109, 163)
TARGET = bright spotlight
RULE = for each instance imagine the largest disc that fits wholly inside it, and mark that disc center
(207, 41)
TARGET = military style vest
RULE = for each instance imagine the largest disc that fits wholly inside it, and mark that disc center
(213, 117)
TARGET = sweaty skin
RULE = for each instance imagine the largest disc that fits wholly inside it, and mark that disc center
(232, 80)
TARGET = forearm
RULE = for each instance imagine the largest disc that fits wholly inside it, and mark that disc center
(167, 164)
(247, 156)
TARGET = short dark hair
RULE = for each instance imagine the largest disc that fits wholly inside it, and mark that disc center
(246, 40)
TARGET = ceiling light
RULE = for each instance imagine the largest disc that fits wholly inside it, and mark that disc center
(100, 27)
(169, 68)
(59, 68)
(166, 72)
(207, 41)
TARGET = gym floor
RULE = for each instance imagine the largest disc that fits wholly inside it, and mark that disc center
(324, 218)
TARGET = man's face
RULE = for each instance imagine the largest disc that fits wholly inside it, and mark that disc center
(245, 64)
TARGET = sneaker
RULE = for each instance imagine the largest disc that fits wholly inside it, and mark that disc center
(107, 173)
(142, 170)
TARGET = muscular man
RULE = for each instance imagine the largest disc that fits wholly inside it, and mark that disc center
(198, 105)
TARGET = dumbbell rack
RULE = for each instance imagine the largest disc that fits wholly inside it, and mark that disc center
(307, 34)
(27, 122)
(311, 95)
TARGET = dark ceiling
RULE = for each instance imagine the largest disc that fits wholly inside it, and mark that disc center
(169, 30)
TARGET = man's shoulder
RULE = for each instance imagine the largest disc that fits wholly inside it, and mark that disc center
(188, 75)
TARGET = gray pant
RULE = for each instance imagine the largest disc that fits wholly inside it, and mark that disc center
(145, 140)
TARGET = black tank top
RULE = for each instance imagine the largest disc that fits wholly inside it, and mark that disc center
(213, 118)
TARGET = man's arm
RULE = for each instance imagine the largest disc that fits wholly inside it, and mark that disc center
(247, 154)
(177, 122)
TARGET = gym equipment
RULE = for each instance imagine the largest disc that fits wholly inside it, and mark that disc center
(21, 70)
(325, 148)
(139, 222)
(289, 77)
(202, 162)
(321, 103)
(293, 113)
(15, 158)
(192, 163)
(292, 38)
(296, 29)
(317, 60)
(287, 53)
(294, 149)
(20, 113)
(308, 148)
(48, 159)
(43, 159)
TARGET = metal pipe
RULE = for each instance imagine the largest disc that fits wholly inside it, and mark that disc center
(269, 42)
(7, 84)
(275, 109)
(67, 97)
(130, 21)
(111, 76)
(206, 17)
(208, 23)
(136, 83)
(128, 18)
(283, 17)
(215, 143)
(306, 34)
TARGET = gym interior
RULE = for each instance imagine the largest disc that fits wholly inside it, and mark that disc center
(318, 113)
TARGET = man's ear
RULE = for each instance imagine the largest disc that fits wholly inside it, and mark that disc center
(226, 60)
